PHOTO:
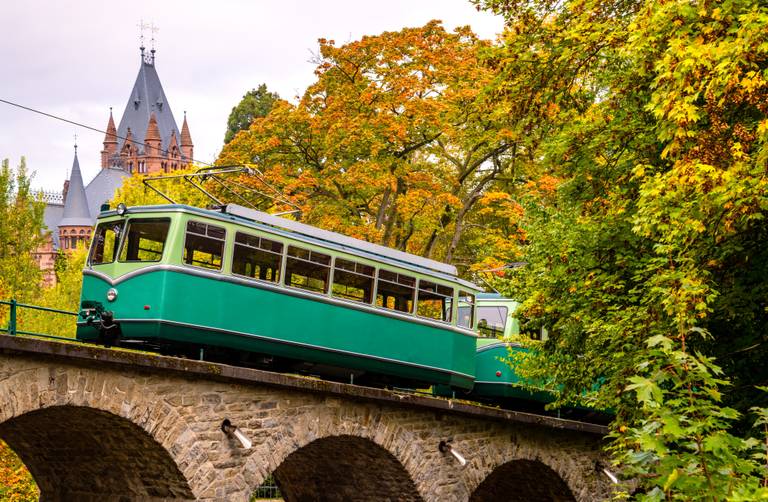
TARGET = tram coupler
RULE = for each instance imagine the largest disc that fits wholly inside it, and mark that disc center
(109, 330)
(95, 315)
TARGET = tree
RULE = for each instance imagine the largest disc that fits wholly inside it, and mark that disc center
(394, 143)
(255, 104)
(133, 191)
(64, 295)
(644, 256)
(21, 226)
(16, 483)
(21, 233)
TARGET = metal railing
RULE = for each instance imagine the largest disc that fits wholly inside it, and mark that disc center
(13, 328)
(267, 490)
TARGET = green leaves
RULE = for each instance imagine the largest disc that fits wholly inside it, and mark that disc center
(648, 393)
(21, 233)
(256, 103)
(648, 263)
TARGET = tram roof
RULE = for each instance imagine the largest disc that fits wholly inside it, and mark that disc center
(333, 240)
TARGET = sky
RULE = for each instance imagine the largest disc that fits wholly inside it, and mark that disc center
(78, 59)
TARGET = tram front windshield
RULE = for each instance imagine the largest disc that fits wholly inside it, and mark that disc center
(144, 239)
(137, 240)
(105, 241)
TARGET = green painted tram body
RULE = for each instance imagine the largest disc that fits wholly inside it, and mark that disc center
(495, 378)
(171, 301)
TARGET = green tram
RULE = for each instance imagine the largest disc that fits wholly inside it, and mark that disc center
(495, 378)
(246, 287)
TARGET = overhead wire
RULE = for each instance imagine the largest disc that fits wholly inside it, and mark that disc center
(86, 126)
(258, 174)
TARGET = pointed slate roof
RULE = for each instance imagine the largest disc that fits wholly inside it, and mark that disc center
(146, 97)
(102, 188)
(76, 212)
(51, 218)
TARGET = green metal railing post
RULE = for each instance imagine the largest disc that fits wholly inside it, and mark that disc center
(12, 319)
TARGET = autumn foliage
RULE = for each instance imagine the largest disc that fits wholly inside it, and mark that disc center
(395, 143)
(614, 151)
(16, 483)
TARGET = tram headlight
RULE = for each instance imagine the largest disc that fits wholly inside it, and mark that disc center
(121, 209)
(112, 294)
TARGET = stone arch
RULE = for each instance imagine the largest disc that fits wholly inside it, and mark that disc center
(34, 399)
(344, 468)
(80, 453)
(557, 455)
(523, 481)
(364, 430)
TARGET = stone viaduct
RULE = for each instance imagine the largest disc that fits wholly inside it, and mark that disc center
(94, 424)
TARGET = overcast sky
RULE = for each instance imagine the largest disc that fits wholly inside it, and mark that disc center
(76, 59)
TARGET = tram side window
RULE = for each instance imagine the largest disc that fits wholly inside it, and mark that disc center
(466, 310)
(257, 257)
(144, 239)
(353, 281)
(435, 301)
(395, 291)
(105, 241)
(204, 245)
(307, 269)
(491, 320)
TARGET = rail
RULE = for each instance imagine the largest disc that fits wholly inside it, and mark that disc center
(13, 328)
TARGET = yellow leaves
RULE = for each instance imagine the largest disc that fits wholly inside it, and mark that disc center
(762, 127)
(501, 204)
(492, 197)
(737, 152)
(752, 81)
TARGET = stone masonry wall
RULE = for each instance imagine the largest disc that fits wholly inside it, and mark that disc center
(117, 432)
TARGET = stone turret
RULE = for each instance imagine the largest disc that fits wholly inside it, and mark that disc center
(153, 151)
(110, 143)
(187, 148)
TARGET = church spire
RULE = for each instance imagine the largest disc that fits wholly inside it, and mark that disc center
(152, 147)
(110, 142)
(187, 148)
(153, 133)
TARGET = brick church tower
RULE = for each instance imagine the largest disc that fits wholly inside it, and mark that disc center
(147, 141)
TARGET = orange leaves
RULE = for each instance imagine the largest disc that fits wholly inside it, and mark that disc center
(392, 142)
(502, 205)
(545, 185)
(16, 483)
